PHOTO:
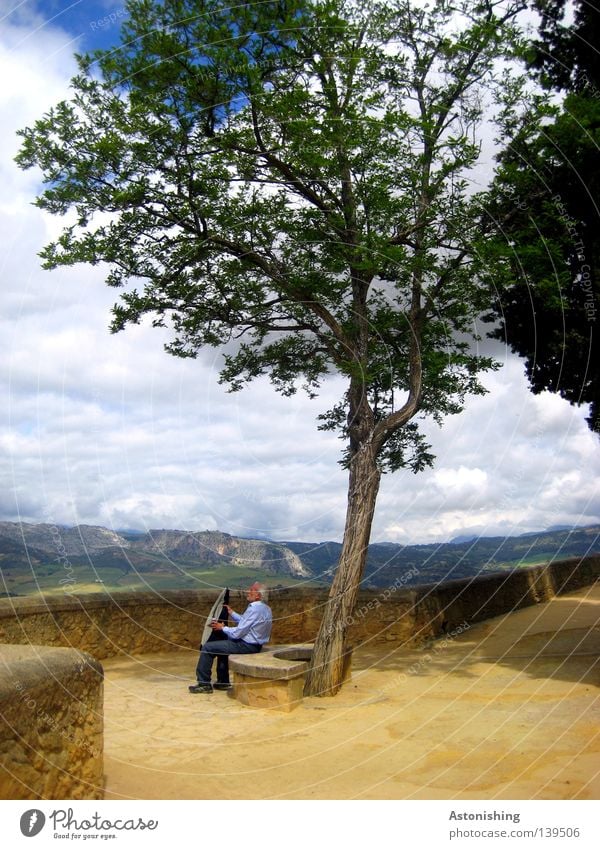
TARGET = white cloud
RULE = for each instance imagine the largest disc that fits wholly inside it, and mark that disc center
(110, 430)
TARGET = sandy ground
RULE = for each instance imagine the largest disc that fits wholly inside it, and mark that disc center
(509, 709)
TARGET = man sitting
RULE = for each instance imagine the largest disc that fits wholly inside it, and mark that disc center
(252, 630)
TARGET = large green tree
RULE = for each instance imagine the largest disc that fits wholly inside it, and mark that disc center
(547, 197)
(294, 176)
(567, 55)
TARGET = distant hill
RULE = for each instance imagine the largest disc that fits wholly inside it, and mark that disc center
(103, 547)
(46, 558)
(465, 558)
(491, 554)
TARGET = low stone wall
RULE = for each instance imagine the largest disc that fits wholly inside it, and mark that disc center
(51, 727)
(412, 617)
(136, 622)
(106, 625)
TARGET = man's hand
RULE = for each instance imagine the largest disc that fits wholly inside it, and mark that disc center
(216, 626)
(228, 609)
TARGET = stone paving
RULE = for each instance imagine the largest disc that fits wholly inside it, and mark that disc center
(507, 709)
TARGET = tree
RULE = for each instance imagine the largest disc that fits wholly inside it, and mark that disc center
(546, 193)
(567, 57)
(294, 176)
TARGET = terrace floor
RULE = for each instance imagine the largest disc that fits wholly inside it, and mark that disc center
(509, 709)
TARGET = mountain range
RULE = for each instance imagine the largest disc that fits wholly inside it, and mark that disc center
(44, 557)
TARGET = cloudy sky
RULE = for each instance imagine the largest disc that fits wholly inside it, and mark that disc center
(110, 430)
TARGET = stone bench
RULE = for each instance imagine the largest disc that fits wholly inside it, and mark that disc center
(273, 678)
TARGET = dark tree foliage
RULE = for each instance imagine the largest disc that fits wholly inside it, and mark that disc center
(568, 57)
(547, 195)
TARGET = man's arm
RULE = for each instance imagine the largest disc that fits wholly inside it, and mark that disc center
(244, 624)
(232, 614)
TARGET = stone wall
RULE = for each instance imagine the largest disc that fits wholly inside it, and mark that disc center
(106, 625)
(136, 622)
(412, 617)
(51, 725)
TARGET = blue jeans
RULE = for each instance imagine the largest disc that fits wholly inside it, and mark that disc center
(220, 649)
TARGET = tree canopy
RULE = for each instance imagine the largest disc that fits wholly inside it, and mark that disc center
(547, 194)
(292, 181)
(567, 56)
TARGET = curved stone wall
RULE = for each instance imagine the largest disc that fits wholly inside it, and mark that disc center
(106, 625)
(51, 740)
(136, 622)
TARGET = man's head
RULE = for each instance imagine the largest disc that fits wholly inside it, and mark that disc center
(257, 592)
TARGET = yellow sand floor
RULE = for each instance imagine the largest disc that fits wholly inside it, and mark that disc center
(509, 709)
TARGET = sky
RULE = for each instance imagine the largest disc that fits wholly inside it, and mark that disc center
(110, 430)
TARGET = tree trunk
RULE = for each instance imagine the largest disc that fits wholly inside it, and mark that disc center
(326, 670)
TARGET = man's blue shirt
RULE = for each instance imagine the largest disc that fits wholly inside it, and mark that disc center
(253, 626)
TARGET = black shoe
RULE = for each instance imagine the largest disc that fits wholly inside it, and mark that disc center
(200, 688)
(222, 685)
